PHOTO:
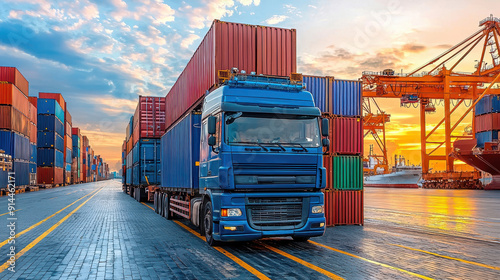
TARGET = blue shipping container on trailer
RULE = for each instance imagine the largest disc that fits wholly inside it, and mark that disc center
(50, 107)
(50, 157)
(15, 145)
(318, 87)
(181, 147)
(345, 98)
(22, 174)
(486, 136)
(488, 104)
(50, 139)
(50, 123)
(145, 158)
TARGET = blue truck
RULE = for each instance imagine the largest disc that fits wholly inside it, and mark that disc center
(247, 161)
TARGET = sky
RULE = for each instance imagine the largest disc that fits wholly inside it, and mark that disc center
(101, 55)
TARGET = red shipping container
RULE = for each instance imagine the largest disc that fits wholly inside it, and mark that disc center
(57, 96)
(13, 119)
(33, 100)
(13, 76)
(11, 95)
(346, 136)
(276, 51)
(327, 164)
(344, 207)
(487, 122)
(227, 45)
(149, 118)
(33, 113)
(50, 175)
(67, 117)
(33, 132)
(75, 131)
(84, 173)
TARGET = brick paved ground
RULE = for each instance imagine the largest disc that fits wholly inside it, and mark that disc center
(114, 237)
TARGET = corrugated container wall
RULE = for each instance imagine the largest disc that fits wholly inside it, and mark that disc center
(55, 96)
(344, 207)
(487, 122)
(345, 98)
(13, 119)
(180, 150)
(317, 86)
(50, 107)
(227, 45)
(11, 95)
(13, 76)
(488, 104)
(346, 136)
(347, 173)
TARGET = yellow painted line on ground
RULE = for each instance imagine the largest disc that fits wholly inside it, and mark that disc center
(447, 257)
(44, 220)
(371, 261)
(148, 206)
(72, 192)
(8, 213)
(43, 235)
(302, 262)
(234, 258)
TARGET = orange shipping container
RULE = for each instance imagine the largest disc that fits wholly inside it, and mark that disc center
(33, 113)
(13, 119)
(11, 95)
(13, 76)
(33, 132)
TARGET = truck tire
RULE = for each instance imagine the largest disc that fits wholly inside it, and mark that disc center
(155, 200)
(168, 215)
(208, 224)
(160, 206)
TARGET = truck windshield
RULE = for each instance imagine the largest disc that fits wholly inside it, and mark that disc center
(255, 129)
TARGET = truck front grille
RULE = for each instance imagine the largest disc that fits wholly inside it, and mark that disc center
(276, 213)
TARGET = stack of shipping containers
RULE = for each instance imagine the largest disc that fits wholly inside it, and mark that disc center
(77, 168)
(15, 122)
(68, 146)
(50, 153)
(148, 127)
(33, 139)
(124, 162)
(487, 120)
(88, 153)
(128, 151)
(340, 102)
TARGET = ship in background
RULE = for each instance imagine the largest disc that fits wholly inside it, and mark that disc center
(402, 175)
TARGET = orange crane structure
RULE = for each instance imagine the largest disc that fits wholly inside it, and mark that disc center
(373, 124)
(439, 79)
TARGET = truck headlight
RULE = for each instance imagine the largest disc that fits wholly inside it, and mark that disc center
(318, 209)
(231, 212)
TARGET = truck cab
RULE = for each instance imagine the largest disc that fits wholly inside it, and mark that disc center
(261, 161)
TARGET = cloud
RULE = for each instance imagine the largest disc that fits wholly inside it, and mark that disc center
(443, 46)
(414, 48)
(201, 17)
(249, 2)
(275, 19)
(186, 42)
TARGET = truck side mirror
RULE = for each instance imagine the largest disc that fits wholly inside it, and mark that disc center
(212, 125)
(324, 127)
(326, 142)
(211, 141)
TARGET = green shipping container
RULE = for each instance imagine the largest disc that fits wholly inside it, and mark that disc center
(347, 173)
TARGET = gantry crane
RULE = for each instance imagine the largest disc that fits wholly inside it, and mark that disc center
(439, 79)
(373, 124)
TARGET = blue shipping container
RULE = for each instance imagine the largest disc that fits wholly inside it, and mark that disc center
(15, 145)
(68, 167)
(68, 155)
(50, 157)
(4, 178)
(143, 170)
(50, 139)
(33, 149)
(32, 167)
(22, 174)
(50, 123)
(50, 107)
(317, 86)
(180, 150)
(345, 98)
(488, 104)
(486, 136)
(146, 150)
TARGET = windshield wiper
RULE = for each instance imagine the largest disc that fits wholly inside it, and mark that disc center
(254, 143)
(304, 148)
(278, 144)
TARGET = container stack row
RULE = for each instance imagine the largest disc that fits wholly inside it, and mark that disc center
(340, 103)
(487, 120)
(36, 134)
(141, 148)
(15, 124)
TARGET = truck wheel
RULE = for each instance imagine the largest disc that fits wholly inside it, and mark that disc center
(208, 224)
(168, 215)
(300, 239)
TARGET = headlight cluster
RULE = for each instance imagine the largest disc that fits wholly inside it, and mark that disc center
(231, 212)
(318, 209)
